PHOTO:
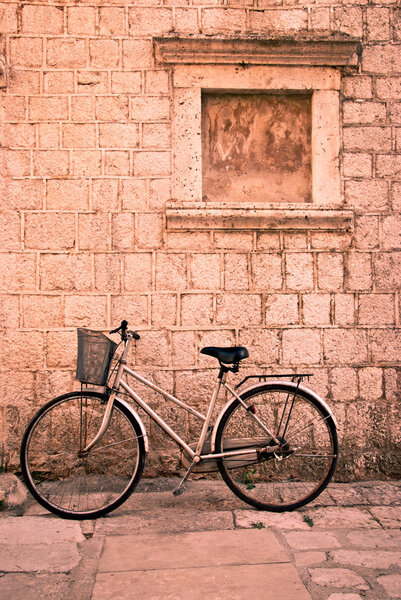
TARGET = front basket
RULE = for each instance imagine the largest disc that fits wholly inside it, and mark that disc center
(95, 352)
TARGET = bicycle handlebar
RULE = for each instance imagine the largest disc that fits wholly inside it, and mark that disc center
(123, 328)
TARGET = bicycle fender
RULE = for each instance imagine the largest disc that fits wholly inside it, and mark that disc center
(273, 382)
(138, 418)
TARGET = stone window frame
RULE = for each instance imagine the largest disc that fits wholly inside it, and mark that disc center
(259, 65)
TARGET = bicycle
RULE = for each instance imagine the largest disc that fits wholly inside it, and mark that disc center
(83, 453)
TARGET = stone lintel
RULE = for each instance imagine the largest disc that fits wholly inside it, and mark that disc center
(202, 217)
(331, 51)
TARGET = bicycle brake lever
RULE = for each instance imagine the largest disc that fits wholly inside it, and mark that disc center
(123, 327)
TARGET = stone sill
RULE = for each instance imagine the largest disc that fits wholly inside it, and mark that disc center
(329, 50)
(201, 217)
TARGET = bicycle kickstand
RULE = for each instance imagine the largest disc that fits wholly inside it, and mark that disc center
(181, 487)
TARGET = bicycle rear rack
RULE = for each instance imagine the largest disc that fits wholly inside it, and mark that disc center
(298, 377)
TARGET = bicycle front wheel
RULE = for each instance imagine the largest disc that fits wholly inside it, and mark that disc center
(297, 468)
(73, 484)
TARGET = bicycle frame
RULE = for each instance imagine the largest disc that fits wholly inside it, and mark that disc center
(193, 454)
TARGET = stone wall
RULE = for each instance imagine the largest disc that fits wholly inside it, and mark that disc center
(86, 175)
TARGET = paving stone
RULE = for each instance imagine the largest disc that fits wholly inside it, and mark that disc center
(23, 586)
(341, 596)
(367, 558)
(262, 581)
(340, 578)
(44, 558)
(389, 516)
(338, 517)
(375, 539)
(248, 518)
(38, 530)
(306, 540)
(305, 559)
(166, 521)
(392, 584)
(345, 495)
(382, 494)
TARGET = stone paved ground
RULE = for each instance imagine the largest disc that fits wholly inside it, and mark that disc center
(345, 546)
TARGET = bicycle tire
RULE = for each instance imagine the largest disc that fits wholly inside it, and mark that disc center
(297, 473)
(75, 486)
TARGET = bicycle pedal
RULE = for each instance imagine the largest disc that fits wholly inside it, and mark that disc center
(179, 490)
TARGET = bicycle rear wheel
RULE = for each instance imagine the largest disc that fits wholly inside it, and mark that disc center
(295, 473)
(75, 485)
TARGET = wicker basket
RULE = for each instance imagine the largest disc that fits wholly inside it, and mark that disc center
(95, 352)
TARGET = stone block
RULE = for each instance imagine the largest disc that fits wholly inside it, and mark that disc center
(138, 272)
(111, 108)
(111, 21)
(366, 232)
(239, 309)
(153, 349)
(118, 135)
(376, 309)
(107, 273)
(10, 226)
(217, 20)
(61, 349)
(105, 195)
(86, 163)
(301, 347)
(388, 165)
(14, 108)
(345, 346)
(49, 135)
(51, 163)
(370, 383)
(337, 578)
(381, 59)
(122, 232)
(39, 311)
(50, 108)
(295, 241)
(164, 310)
(385, 345)
(58, 82)
(299, 271)
(311, 540)
(81, 20)
(349, 20)
(79, 135)
(278, 20)
(364, 112)
(316, 309)
(330, 271)
(117, 162)
(183, 352)
(19, 135)
(152, 163)
(133, 308)
(344, 309)
(268, 241)
(190, 240)
(391, 583)
(93, 232)
(66, 52)
(186, 20)
(263, 345)
(330, 240)
(92, 82)
(150, 108)
(266, 272)
(21, 194)
(367, 195)
(24, 82)
(357, 87)
(204, 271)
(197, 310)
(149, 231)
(236, 272)
(367, 138)
(357, 164)
(150, 21)
(378, 23)
(156, 135)
(50, 231)
(85, 311)
(42, 19)
(156, 82)
(67, 272)
(388, 87)
(395, 196)
(9, 311)
(8, 18)
(171, 271)
(281, 309)
(18, 272)
(134, 194)
(358, 271)
(234, 240)
(126, 82)
(104, 54)
(391, 232)
(16, 163)
(343, 384)
(26, 52)
(137, 54)
(387, 270)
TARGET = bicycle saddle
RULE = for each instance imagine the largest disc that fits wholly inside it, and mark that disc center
(228, 356)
